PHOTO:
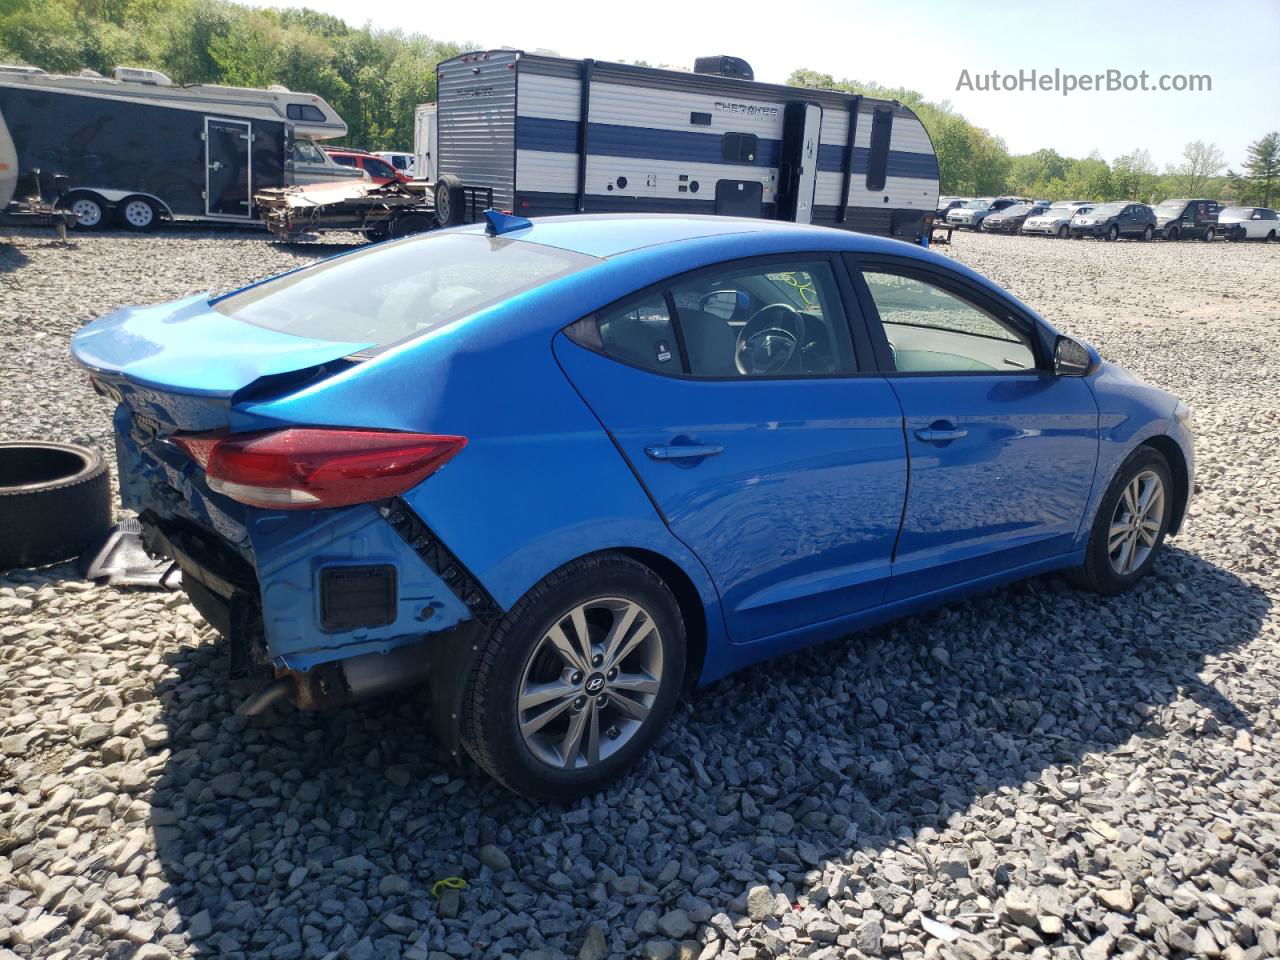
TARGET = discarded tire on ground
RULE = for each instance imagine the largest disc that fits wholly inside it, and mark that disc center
(55, 502)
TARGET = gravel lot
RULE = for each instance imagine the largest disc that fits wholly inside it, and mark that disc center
(1035, 771)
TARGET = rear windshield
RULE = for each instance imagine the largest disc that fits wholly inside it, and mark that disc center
(386, 293)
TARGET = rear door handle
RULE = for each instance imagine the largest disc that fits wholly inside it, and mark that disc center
(940, 431)
(683, 451)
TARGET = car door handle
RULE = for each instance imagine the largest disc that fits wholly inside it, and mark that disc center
(940, 431)
(683, 451)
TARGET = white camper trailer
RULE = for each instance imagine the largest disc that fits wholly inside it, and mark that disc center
(424, 139)
(546, 135)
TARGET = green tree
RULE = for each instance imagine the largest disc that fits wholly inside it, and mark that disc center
(1201, 162)
(1134, 176)
(1260, 182)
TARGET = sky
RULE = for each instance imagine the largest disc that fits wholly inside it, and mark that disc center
(925, 45)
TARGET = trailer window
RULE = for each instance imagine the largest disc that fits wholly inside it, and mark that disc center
(739, 147)
(386, 293)
(878, 161)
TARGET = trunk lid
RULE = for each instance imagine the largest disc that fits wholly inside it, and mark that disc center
(185, 365)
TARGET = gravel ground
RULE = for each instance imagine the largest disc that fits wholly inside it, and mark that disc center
(1034, 771)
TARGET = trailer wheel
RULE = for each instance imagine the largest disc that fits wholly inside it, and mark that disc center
(88, 208)
(137, 213)
(451, 201)
(411, 223)
(55, 502)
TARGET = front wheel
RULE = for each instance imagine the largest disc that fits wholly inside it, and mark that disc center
(1131, 525)
(1063, 233)
(1207, 236)
(88, 210)
(1173, 234)
(577, 681)
(1147, 232)
(1114, 232)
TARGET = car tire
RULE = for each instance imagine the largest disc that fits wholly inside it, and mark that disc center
(89, 209)
(1172, 234)
(1113, 232)
(1148, 232)
(1271, 236)
(1063, 233)
(1107, 569)
(518, 663)
(450, 201)
(137, 213)
(1207, 236)
(55, 502)
(411, 223)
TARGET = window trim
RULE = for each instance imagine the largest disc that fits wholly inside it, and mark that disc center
(959, 287)
(861, 345)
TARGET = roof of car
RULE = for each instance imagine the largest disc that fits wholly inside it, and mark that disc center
(609, 235)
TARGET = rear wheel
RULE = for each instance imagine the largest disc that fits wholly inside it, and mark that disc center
(137, 213)
(1207, 236)
(88, 209)
(1131, 525)
(1147, 232)
(1173, 234)
(1114, 232)
(578, 679)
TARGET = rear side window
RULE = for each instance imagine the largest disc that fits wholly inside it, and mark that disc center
(878, 161)
(386, 293)
(343, 161)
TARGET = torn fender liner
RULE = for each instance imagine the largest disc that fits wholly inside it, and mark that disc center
(441, 560)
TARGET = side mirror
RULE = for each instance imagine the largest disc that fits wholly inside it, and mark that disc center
(1071, 358)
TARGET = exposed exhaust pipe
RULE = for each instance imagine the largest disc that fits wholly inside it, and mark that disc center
(367, 675)
(278, 689)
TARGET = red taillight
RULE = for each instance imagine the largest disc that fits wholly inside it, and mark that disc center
(310, 467)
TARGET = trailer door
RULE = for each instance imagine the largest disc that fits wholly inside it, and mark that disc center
(798, 170)
(228, 172)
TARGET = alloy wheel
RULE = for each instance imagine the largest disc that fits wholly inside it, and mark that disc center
(590, 683)
(1136, 523)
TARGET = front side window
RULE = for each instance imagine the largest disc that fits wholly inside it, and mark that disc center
(307, 152)
(780, 319)
(378, 168)
(385, 293)
(932, 330)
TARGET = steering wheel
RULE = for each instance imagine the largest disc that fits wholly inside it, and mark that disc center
(769, 340)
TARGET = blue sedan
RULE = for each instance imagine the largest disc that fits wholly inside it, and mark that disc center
(563, 471)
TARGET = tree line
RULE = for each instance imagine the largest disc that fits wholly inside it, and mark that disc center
(375, 78)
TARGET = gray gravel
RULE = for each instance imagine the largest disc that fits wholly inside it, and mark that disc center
(1034, 771)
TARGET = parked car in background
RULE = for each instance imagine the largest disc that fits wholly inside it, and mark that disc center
(400, 160)
(378, 170)
(567, 530)
(1055, 221)
(1248, 223)
(1071, 204)
(1114, 220)
(946, 204)
(1010, 219)
(971, 213)
(1186, 219)
(310, 163)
